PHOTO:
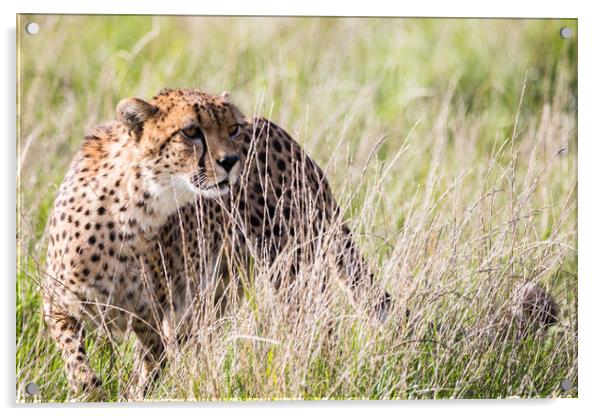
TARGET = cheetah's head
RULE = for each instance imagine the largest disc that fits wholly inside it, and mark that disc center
(186, 138)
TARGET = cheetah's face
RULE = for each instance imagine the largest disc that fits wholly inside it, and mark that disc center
(187, 138)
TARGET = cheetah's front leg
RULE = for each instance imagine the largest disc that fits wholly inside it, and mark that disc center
(68, 334)
(149, 359)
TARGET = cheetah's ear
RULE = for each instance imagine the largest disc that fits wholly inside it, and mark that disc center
(225, 96)
(133, 112)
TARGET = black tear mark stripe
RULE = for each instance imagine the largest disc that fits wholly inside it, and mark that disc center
(197, 109)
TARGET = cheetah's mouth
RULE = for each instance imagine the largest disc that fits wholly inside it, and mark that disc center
(223, 184)
(211, 190)
(215, 189)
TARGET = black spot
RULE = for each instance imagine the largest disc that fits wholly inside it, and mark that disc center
(255, 221)
(95, 257)
(101, 210)
(278, 229)
(92, 240)
(276, 145)
(348, 244)
(281, 164)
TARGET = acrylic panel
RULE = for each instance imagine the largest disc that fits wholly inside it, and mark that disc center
(243, 208)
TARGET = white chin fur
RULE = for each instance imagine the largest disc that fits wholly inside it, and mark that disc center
(169, 198)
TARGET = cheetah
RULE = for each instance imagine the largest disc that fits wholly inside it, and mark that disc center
(151, 201)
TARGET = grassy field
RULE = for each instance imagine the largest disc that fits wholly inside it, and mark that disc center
(451, 144)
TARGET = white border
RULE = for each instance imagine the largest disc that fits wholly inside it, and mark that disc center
(590, 160)
(507, 8)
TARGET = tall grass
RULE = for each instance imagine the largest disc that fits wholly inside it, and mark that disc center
(450, 145)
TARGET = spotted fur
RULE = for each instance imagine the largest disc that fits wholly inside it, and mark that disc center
(154, 202)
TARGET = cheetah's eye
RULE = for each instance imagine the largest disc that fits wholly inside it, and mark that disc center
(233, 130)
(194, 134)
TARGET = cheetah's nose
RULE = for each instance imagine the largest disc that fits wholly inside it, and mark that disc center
(228, 162)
